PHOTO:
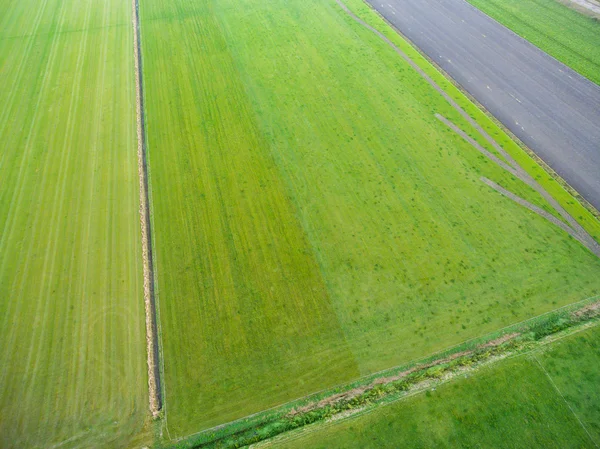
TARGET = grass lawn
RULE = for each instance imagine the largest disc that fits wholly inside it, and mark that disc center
(313, 220)
(72, 359)
(573, 364)
(514, 403)
(569, 36)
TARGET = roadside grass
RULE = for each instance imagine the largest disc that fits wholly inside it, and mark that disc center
(313, 220)
(565, 34)
(72, 353)
(513, 402)
(527, 159)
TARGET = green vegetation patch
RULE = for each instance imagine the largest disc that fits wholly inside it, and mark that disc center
(313, 220)
(72, 353)
(569, 36)
(548, 398)
(573, 364)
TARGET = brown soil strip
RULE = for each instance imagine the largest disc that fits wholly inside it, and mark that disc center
(355, 392)
(590, 8)
(154, 386)
(589, 310)
(500, 340)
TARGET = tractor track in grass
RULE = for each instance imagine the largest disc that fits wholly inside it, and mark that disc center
(549, 107)
(154, 385)
(575, 229)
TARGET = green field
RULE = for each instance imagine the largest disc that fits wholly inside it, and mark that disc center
(313, 220)
(547, 399)
(72, 353)
(569, 36)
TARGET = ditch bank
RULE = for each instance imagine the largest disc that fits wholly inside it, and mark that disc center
(397, 383)
(154, 385)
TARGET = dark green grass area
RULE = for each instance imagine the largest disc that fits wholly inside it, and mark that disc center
(313, 220)
(514, 403)
(569, 36)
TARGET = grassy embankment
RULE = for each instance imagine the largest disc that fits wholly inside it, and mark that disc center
(570, 37)
(545, 398)
(72, 357)
(313, 220)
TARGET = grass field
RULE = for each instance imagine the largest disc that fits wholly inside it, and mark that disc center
(313, 220)
(514, 403)
(72, 358)
(569, 36)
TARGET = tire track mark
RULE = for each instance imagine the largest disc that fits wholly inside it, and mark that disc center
(15, 306)
(53, 250)
(584, 236)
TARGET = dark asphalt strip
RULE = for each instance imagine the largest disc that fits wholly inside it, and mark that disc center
(581, 234)
(551, 108)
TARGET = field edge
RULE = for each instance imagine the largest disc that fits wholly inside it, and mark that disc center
(567, 189)
(396, 383)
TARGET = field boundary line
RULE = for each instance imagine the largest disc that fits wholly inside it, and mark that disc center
(154, 384)
(486, 353)
(300, 432)
(378, 374)
(563, 398)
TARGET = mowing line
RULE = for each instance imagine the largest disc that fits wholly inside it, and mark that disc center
(15, 307)
(563, 398)
(148, 267)
(379, 374)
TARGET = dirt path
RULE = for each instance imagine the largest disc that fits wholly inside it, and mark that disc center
(148, 266)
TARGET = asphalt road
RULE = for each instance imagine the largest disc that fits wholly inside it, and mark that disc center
(552, 109)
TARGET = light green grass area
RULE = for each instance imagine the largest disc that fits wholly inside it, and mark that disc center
(569, 36)
(313, 220)
(545, 399)
(551, 184)
(72, 352)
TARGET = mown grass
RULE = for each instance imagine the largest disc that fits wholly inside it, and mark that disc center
(525, 158)
(573, 365)
(245, 316)
(567, 35)
(313, 220)
(72, 353)
(513, 403)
